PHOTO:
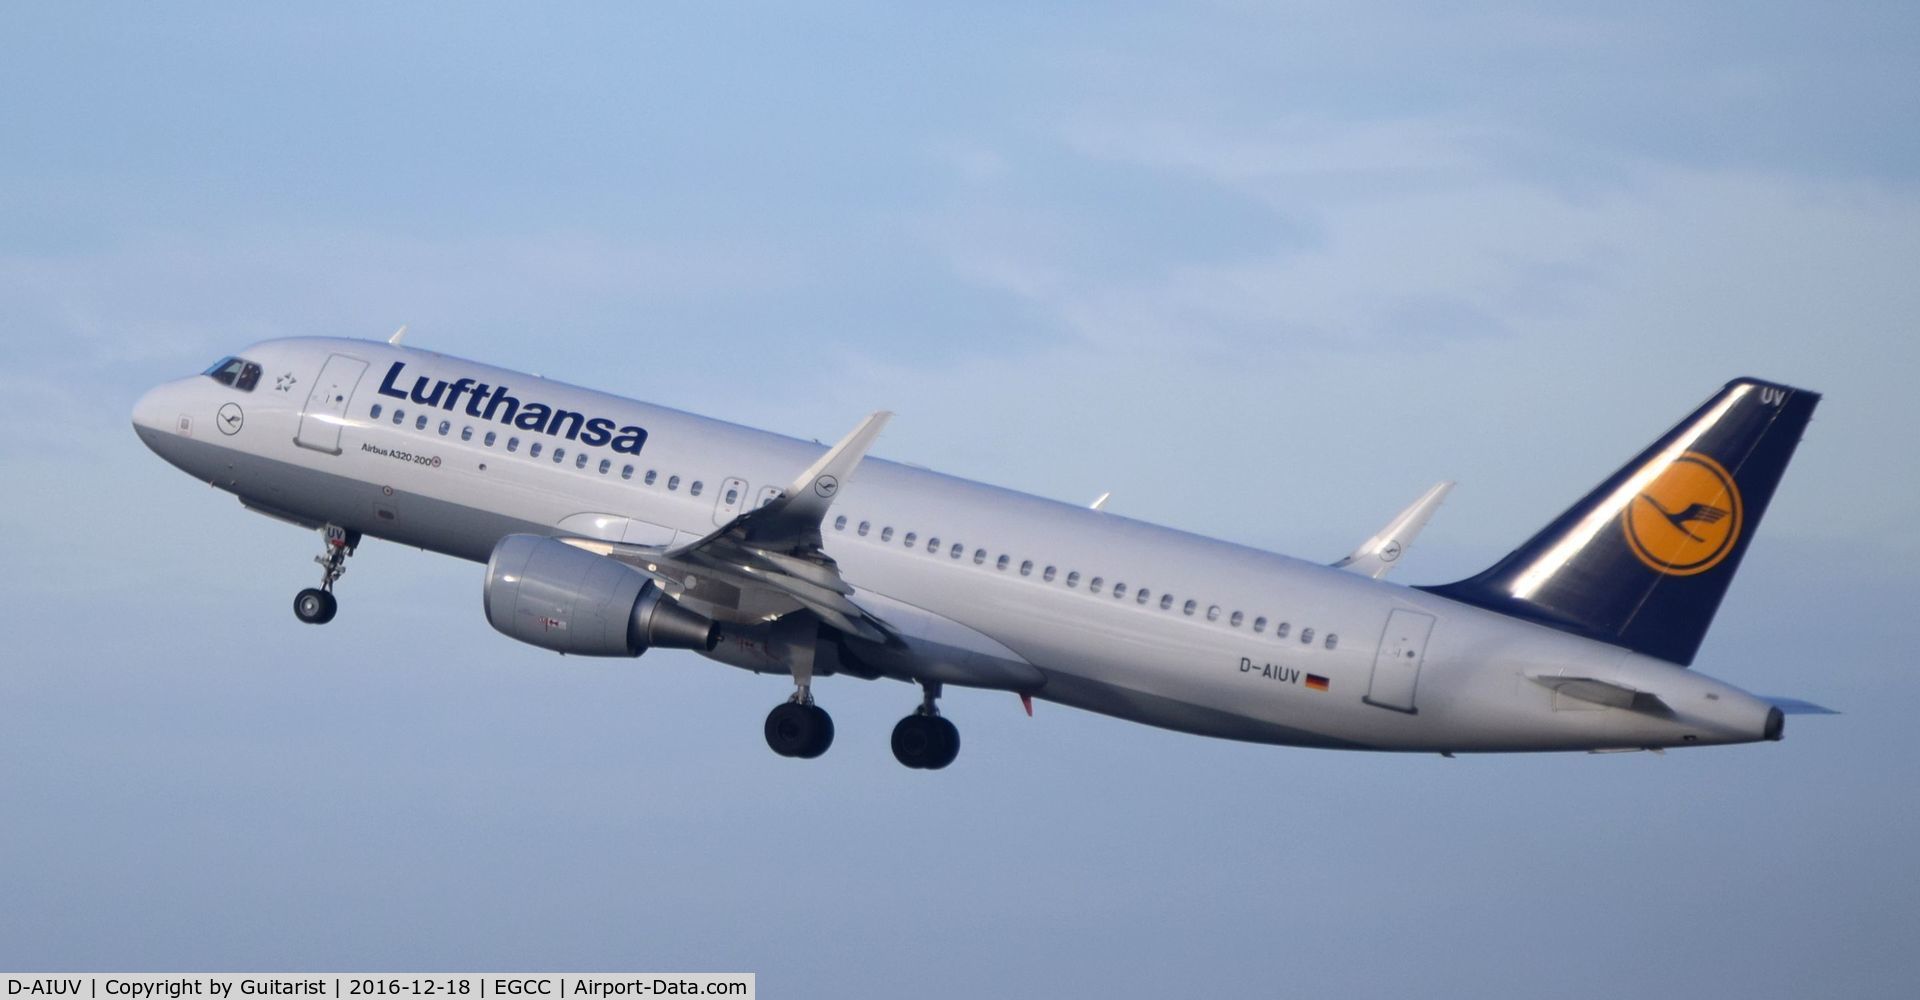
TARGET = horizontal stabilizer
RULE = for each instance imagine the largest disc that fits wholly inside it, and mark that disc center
(1377, 555)
(1601, 692)
(1794, 706)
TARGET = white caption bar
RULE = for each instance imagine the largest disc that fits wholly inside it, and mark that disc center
(375, 986)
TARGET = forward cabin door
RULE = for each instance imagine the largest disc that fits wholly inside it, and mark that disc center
(326, 408)
(1396, 667)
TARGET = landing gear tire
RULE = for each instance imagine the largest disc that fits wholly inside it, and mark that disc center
(796, 729)
(315, 606)
(927, 742)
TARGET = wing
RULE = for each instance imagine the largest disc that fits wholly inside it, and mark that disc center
(768, 562)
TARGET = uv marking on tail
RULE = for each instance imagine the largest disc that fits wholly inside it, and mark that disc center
(1644, 559)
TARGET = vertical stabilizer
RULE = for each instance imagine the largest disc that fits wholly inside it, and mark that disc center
(1644, 559)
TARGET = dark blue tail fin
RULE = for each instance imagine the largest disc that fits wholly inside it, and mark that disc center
(1643, 560)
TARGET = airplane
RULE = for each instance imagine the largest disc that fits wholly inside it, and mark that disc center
(610, 526)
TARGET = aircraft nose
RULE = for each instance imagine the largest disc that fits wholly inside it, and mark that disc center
(163, 418)
(163, 412)
(154, 411)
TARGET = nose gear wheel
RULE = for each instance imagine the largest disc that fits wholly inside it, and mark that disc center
(316, 605)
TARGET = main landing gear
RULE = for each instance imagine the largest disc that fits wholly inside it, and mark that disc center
(799, 728)
(926, 739)
(316, 605)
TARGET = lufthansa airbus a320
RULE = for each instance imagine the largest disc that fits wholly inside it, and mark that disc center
(609, 526)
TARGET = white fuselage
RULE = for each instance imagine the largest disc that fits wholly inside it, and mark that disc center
(1057, 601)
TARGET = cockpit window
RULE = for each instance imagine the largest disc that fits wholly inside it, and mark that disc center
(237, 372)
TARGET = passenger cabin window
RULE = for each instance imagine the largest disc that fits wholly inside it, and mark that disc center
(626, 472)
(673, 482)
(1306, 636)
(1048, 575)
(375, 412)
(513, 444)
(490, 439)
(1332, 640)
(606, 466)
(1001, 563)
(559, 455)
(1095, 585)
(1236, 619)
(466, 433)
(1280, 630)
(420, 422)
(696, 487)
(865, 526)
(445, 426)
(399, 417)
(580, 462)
(733, 495)
(1026, 567)
(979, 556)
(1166, 602)
(910, 539)
(886, 534)
(1143, 596)
(1190, 606)
(533, 449)
(933, 544)
(1119, 591)
(651, 476)
(237, 372)
(957, 551)
(1073, 578)
(1213, 613)
(840, 523)
(1260, 624)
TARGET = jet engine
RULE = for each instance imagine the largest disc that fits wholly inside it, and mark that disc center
(557, 597)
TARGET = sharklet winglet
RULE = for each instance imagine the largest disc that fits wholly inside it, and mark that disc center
(1378, 555)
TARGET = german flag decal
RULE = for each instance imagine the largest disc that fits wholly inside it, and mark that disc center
(1316, 682)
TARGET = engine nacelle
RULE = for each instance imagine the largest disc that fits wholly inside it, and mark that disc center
(557, 597)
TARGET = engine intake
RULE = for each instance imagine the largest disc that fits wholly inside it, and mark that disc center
(557, 597)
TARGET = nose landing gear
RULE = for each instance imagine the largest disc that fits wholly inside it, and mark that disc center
(925, 739)
(316, 605)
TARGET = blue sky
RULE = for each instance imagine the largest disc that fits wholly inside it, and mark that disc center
(1264, 272)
